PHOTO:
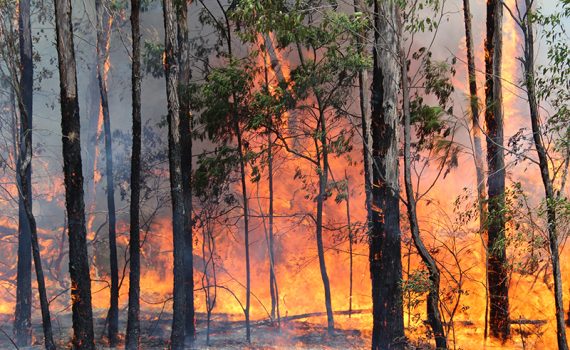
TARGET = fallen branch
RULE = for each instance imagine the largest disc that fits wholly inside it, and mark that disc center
(526, 321)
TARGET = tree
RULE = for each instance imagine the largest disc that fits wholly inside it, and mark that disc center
(22, 79)
(359, 7)
(434, 317)
(23, 316)
(526, 23)
(73, 179)
(133, 319)
(497, 274)
(226, 117)
(175, 163)
(102, 60)
(476, 134)
(385, 250)
(186, 145)
(315, 95)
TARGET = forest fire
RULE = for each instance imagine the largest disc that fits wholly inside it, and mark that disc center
(265, 205)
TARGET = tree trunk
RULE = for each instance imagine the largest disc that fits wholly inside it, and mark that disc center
(497, 273)
(23, 315)
(24, 170)
(73, 178)
(323, 179)
(359, 6)
(528, 64)
(385, 249)
(477, 147)
(186, 143)
(238, 133)
(133, 320)
(350, 244)
(432, 302)
(102, 60)
(175, 161)
(26, 150)
(246, 229)
(273, 289)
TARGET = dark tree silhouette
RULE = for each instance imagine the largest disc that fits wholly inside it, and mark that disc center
(133, 319)
(73, 179)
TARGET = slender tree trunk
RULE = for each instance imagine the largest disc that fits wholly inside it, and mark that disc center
(322, 164)
(350, 243)
(24, 93)
(323, 180)
(497, 273)
(133, 320)
(528, 64)
(23, 315)
(73, 179)
(385, 247)
(174, 156)
(44, 303)
(102, 59)
(186, 143)
(477, 146)
(432, 302)
(273, 289)
(359, 6)
(238, 134)
(246, 228)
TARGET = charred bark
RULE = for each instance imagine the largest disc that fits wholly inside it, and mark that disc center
(175, 162)
(385, 249)
(102, 57)
(273, 288)
(547, 181)
(24, 178)
(186, 144)
(497, 274)
(350, 243)
(323, 159)
(73, 179)
(133, 318)
(23, 315)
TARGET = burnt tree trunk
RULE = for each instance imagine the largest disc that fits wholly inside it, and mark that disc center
(323, 161)
(102, 58)
(273, 289)
(133, 318)
(432, 302)
(24, 93)
(186, 144)
(385, 250)
(350, 244)
(73, 179)
(547, 181)
(477, 146)
(26, 153)
(497, 274)
(246, 229)
(175, 162)
(23, 315)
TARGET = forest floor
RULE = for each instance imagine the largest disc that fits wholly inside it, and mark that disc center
(225, 333)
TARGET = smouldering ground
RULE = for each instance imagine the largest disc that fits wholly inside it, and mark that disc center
(225, 333)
